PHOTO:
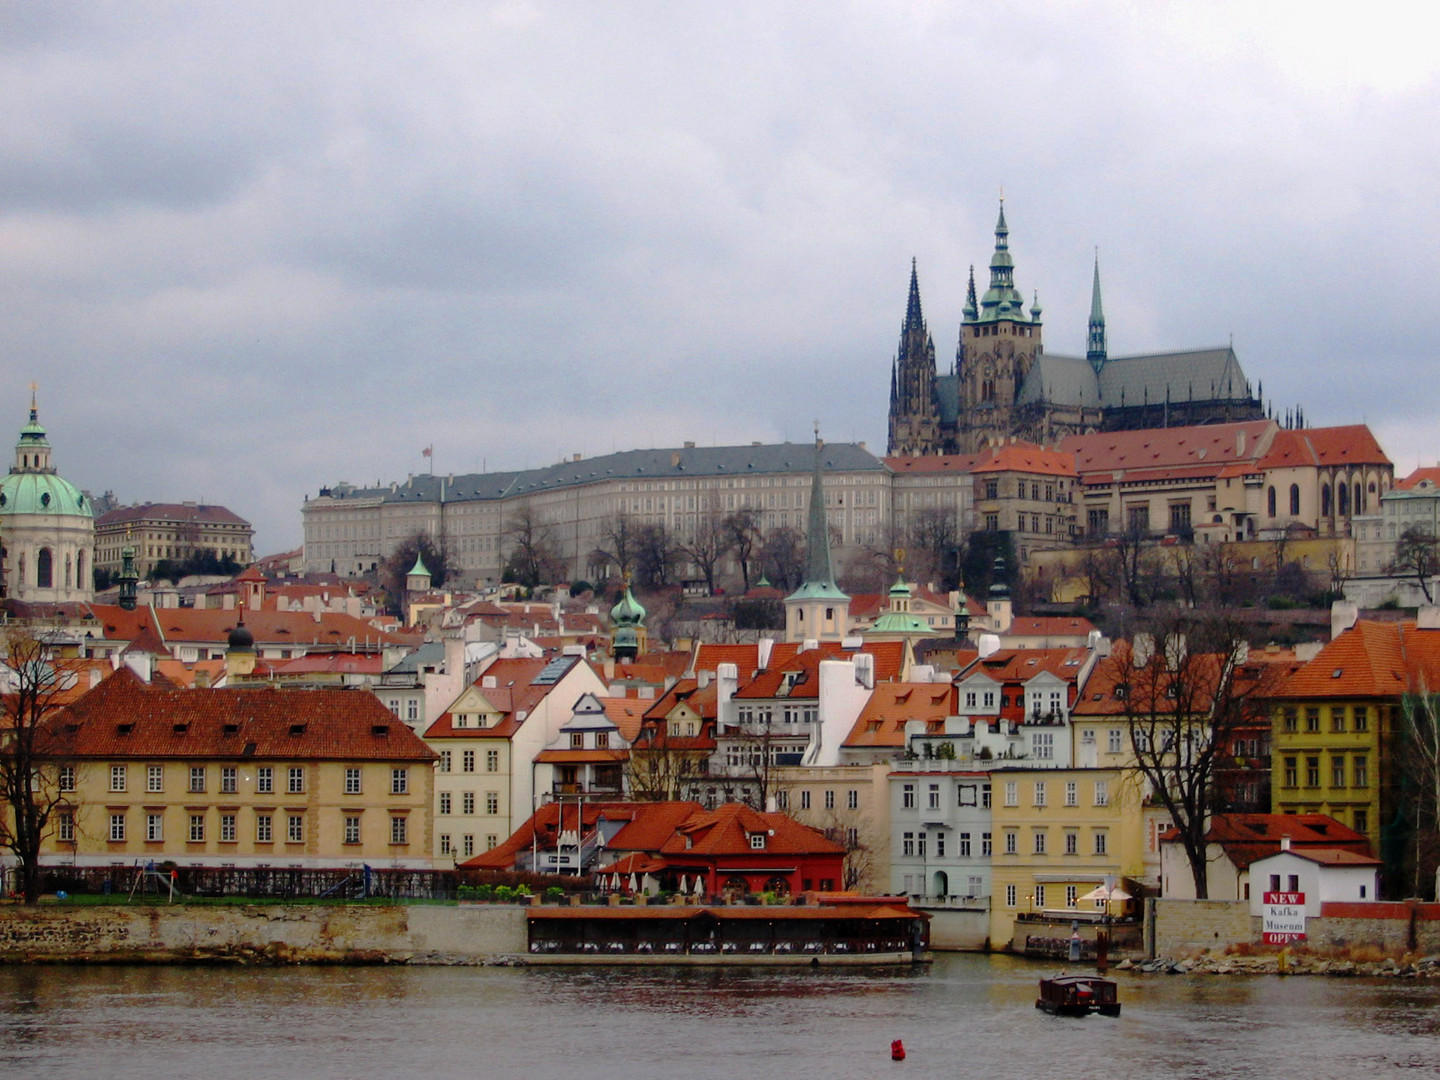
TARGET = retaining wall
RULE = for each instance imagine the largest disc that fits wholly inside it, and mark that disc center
(1186, 927)
(299, 933)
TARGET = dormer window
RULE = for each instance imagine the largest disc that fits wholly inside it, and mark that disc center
(757, 841)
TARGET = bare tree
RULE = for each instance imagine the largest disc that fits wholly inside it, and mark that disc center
(743, 527)
(1419, 760)
(656, 556)
(1185, 702)
(935, 549)
(662, 767)
(783, 557)
(35, 784)
(709, 544)
(394, 569)
(1417, 556)
(533, 559)
(618, 546)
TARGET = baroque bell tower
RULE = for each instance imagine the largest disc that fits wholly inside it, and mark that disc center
(914, 404)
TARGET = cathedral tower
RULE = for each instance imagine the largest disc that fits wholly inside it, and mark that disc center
(1095, 341)
(914, 404)
(999, 342)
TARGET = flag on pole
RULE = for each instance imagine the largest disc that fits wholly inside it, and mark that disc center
(429, 451)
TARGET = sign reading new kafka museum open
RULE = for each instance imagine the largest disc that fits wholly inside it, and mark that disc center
(1283, 917)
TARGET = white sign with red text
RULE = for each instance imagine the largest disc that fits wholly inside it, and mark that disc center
(1283, 917)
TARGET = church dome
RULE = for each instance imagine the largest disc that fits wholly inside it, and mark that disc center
(628, 611)
(241, 637)
(42, 493)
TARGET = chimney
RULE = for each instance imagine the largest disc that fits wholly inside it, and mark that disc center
(763, 646)
(1428, 618)
(865, 669)
(1240, 444)
(702, 679)
(1284, 843)
(1342, 617)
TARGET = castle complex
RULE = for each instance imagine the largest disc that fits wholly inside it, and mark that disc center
(1004, 383)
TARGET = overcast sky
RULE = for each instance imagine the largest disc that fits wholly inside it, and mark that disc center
(248, 250)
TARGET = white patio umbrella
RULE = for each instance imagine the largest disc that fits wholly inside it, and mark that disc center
(1100, 892)
(634, 885)
(684, 885)
(615, 880)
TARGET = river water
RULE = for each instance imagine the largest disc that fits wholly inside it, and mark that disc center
(964, 1016)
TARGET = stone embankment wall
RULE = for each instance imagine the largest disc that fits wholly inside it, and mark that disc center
(261, 933)
(1187, 927)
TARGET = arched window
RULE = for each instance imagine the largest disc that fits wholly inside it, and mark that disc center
(80, 581)
(1270, 501)
(1359, 503)
(1324, 500)
(1342, 494)
(1294, 500)
(45, 569)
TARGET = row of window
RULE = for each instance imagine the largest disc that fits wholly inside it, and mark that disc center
(467, 802)
(852, 799)
(1100, 793)
(466, 847)
(1358, 771)
(917, 845)
(199, 778)
(1037, 898)
(1359, 718)
(467, 761)
(264, 827)
(1071, 840)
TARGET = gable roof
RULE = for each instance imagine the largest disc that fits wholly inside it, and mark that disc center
(881, 722)
(1350, 444)
(123, 719)
(1370, 660)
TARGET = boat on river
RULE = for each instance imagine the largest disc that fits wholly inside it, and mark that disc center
(1078, 995)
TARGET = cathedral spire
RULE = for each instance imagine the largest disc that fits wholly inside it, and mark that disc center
(1095, 345)
(914, 320)
(1002, 300)
(972, 306)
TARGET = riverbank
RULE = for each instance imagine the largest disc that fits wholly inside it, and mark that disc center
(1404, 967)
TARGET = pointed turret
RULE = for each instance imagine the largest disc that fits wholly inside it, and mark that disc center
(629, 620)
(914, 320)
(817, 610)
(972, 306)
(1095, 343)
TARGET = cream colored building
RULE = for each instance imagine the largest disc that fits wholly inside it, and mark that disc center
(850, 804)
(174, 531)
(574, 502)
(254, 777)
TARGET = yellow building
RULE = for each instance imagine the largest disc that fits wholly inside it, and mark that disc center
(1058, 833)
(1335, 722)
(242, 777)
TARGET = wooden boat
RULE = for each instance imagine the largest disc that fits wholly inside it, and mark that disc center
(1078, 995)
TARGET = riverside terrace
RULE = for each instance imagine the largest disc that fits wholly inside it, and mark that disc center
(844, 930)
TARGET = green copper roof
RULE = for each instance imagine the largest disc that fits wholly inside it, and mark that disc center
(819, 583)
(1002, 301)
(627, 612)
(419, 567)
(42, 493)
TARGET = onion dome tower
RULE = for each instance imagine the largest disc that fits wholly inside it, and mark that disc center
(47, 526)
(628, 617)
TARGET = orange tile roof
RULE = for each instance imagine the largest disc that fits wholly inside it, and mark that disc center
(1022, 665)
(1370, 660)
(932, 463)
(1247, 837)
(515, 692)
(1025, 457)
(626, 714)
(881, 722)
(1143, 688)
(1351, 444)
(1182, 451)
(727, 829)
(1427, 472)
(123, 718)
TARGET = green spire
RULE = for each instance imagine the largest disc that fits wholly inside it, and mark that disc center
(419, 567)
(819, 571)
(1002, 300)
(1095, 346)
(972, 306)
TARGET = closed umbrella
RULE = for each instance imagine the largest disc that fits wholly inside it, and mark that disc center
(684, 885)
(634, 885)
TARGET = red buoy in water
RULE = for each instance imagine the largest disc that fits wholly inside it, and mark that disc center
(897, 1050)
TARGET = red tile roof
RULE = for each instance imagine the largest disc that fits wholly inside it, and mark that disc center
(1247, 837)
(1022, 665)
(1049, 626)
(1182, 451)
(123, 718)
(932, 463)
(1351, 444)
(881, 722)
(1427, 472)
(1025, 457)
(1370, 660)
(727, 829)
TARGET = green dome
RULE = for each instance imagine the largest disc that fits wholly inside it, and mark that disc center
(42, 493)
(628, 611)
